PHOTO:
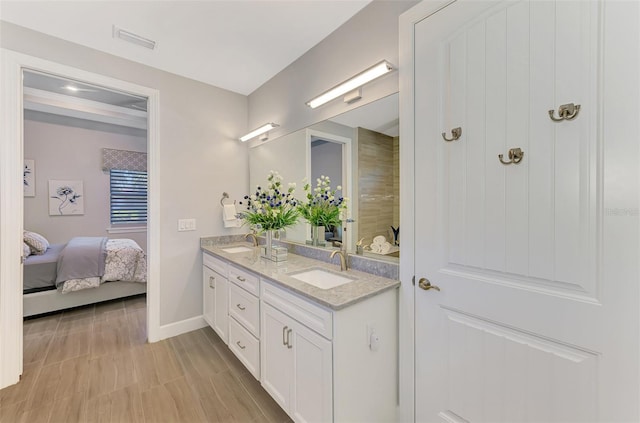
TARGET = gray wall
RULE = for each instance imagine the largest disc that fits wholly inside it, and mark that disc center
(377, 195)
(200, 158)
(326, 159)
(367, 38)
(71, 153)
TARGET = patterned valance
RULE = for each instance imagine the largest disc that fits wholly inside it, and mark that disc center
(123, 160)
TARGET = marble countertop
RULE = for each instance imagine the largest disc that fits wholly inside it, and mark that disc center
(365, 285)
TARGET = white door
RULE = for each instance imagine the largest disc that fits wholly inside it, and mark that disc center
(312, 387)
(537, 262)
(276, 358)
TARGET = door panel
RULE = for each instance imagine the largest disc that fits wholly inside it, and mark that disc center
(489, 86)
(542, 135)
(221, 324)
(496, 120)
(276, 358)
(520, 330)
(311, 399)
(208, 291)
(493, 364)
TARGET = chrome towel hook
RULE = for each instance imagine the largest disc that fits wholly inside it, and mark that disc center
(565, 112)
(455, 134)
(515, 156)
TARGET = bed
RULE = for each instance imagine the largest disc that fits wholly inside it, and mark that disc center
(85, 270)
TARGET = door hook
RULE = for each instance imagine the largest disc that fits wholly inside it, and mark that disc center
(565, 112)
(515, 156)
(455, 134)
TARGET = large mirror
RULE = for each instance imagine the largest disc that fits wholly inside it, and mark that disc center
(359, 151)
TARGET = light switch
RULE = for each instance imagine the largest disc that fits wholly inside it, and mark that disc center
(186, 225)
(374, 341)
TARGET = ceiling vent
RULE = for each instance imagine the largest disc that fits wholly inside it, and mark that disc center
(130, 37)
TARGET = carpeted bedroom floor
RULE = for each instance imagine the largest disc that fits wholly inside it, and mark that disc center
(92, 364)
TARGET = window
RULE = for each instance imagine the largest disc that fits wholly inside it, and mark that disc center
(128, 197)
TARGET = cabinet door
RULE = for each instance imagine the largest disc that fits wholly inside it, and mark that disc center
(208, 294)
(312, 383)
(276, 356)
(221, 316)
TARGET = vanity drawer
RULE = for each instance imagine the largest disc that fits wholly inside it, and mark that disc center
(244, 280)
(214, 264)
(245, 346)
(245, 308)
(309, 314)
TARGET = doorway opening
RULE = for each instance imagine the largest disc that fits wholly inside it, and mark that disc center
(329, 156)
(85, 175)
(12, 192)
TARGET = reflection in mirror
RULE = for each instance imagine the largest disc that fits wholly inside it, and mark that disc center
(326, 160)
(359, 150)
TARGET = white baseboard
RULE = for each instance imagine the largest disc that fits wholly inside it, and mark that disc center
(183, 326)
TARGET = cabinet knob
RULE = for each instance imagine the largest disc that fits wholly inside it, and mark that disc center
(212, 281)
(289, 338)
(284, 335)
(241, 307)
(242, 347)
(240, 278)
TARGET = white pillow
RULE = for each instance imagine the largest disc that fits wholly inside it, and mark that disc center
(26, 250)
(36, 242)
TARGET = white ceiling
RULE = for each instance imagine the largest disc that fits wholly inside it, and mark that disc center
(237, 45)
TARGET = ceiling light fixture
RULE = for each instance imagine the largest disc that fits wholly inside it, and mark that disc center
(351, 84)
(264, 128)
(70, 88)
(133, 38)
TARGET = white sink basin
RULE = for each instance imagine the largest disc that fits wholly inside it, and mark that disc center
(321, 278)
(238, 249)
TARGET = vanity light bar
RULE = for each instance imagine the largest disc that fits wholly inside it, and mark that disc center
(351, 84)
(264, 128)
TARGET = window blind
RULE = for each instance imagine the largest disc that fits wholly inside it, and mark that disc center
(128, 196)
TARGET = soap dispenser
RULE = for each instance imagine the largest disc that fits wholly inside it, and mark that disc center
(360, 247)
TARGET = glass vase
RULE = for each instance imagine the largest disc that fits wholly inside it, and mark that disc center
(270, 250)
(265, 251)
(317, 236)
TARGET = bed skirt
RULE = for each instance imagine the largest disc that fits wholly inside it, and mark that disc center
(53, 300)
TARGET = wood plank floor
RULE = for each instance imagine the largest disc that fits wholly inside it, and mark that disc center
(92, 364)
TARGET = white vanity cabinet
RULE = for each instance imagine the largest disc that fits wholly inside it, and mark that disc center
(324, 365)
(244, 318)
(296, 367)
(215, 295)
(324, 356)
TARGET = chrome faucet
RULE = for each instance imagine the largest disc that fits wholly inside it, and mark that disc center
(343, 259)
(255, 238)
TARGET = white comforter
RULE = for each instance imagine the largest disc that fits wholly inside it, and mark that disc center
(125, 261)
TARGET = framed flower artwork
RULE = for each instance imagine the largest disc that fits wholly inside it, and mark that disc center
(66, 198)
(29, 177)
